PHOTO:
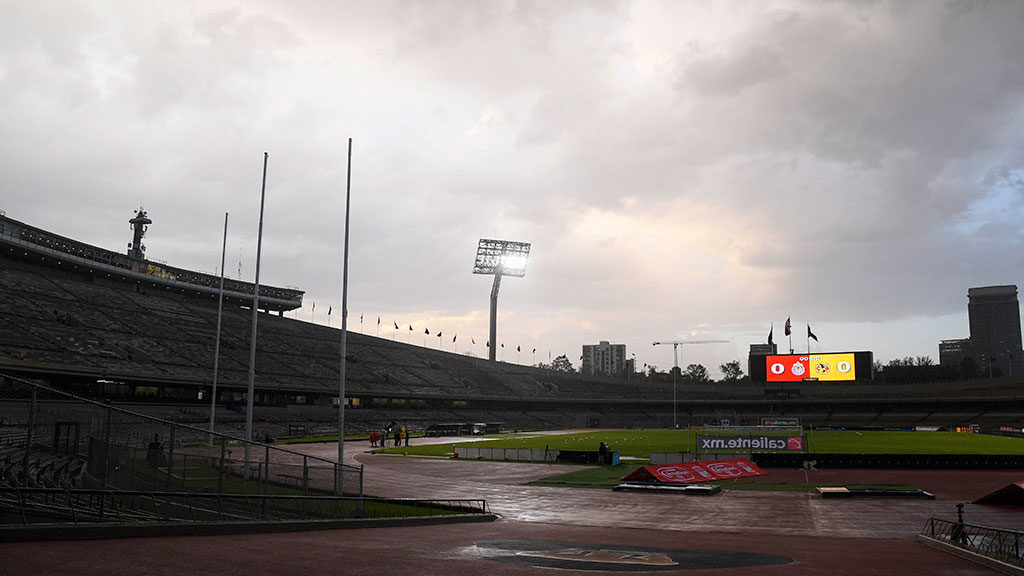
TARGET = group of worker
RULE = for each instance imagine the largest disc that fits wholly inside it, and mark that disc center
(399, 435)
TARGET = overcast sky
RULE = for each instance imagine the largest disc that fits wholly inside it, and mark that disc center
(683, 169)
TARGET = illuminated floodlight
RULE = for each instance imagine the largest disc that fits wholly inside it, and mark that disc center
(500, 258)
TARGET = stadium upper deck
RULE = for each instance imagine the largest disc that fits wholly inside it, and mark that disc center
(46, 249)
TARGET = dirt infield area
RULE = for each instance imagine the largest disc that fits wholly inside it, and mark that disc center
(584, 531)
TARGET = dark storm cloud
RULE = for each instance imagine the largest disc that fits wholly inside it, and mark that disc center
(680, 167)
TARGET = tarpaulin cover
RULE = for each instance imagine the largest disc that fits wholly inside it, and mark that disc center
(1010, 495)
(687, 472)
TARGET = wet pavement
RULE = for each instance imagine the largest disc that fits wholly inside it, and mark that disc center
(584, 531)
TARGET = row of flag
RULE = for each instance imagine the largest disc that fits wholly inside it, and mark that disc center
(426, 331)
(789, 332)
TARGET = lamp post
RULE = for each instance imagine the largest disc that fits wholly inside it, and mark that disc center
(500, 258)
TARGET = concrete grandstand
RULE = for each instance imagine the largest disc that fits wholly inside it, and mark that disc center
(101, 325)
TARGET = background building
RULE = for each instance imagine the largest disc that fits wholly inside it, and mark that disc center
(994, 347)
(607, 359)
(757, 354)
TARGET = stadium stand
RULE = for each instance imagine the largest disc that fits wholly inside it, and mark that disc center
(149, 345)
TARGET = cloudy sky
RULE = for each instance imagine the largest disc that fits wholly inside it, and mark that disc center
(683, 169)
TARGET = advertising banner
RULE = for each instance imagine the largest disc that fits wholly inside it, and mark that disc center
(786, 443)
(697, 471)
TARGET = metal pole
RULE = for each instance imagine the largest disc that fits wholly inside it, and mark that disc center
(305, 476)
(170, 457)
(255, 316)
(266, 470)
(675, 360)
(220, 469)
(340, 474)
(493, 352)
(29, 440)
(216, 346)
(106, 449)
(674, 423)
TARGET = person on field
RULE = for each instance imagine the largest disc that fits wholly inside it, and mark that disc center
(398, 437)
(373, 438)
(154, 451)
(405, 434)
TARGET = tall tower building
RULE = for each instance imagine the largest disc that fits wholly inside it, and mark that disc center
(994, 315)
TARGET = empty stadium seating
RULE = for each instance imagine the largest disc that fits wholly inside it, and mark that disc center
(76, 331)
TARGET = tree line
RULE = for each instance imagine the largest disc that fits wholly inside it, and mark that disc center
(732, 372)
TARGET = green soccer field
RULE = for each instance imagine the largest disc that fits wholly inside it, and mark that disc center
(641, 443)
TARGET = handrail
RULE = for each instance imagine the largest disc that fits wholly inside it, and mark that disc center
(1000, 544)
(94, 506)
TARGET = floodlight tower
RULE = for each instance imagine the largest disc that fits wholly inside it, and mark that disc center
(501, 258)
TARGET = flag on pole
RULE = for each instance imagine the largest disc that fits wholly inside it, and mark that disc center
(454, 337)
(517, 349)
(770, 331)
(410, 327)
(488, 344)
(329, 308)
(474, 341)
(439, 334)
(811, 334)
(396, 325)
(378, 320)
(426, 330)
(788, 331)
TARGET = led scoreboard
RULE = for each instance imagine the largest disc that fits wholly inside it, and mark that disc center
(831, 367)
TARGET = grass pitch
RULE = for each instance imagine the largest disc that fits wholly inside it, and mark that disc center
(639, 444)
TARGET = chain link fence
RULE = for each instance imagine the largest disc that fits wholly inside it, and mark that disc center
(52, 439)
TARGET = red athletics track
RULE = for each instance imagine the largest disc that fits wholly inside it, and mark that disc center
(821, 536)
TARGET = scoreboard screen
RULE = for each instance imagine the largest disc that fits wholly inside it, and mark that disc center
(824, 367)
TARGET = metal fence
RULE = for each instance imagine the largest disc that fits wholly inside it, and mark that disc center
(995, 543)
(41, 506)
(52, 439)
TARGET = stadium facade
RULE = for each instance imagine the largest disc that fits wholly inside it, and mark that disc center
(108, 326)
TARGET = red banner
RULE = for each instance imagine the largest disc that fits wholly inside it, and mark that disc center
(697, 471)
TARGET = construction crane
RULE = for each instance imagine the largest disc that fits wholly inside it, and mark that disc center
(675, 360)
(675, 347)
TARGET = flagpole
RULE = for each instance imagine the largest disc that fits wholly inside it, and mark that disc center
(251, 391)
(789, 332)
(344, 326)
(216, 346)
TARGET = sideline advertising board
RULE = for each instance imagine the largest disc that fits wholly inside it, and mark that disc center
(785, 443)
